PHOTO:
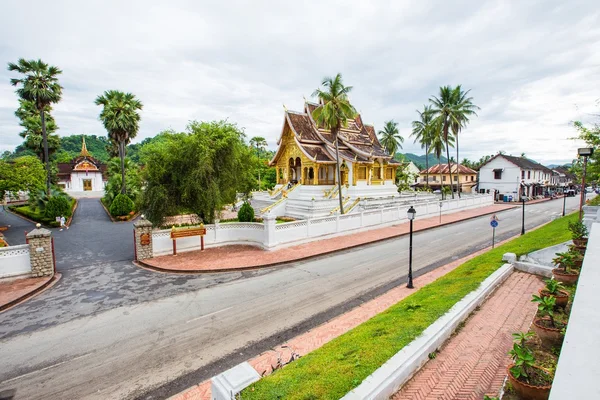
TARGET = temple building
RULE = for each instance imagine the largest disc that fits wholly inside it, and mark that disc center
(306, 153)
(84, 173)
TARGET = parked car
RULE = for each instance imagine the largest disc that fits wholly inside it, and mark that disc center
(570, 193)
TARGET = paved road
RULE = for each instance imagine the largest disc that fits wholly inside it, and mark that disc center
(152, 349)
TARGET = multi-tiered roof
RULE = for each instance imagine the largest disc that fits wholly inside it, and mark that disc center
(357, 141)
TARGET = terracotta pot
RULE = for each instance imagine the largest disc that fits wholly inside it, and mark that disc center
(526, 391)
(580, 249)
(562, 297)
(577, 264)
(550, 337)
(567, 279)
(580, 242)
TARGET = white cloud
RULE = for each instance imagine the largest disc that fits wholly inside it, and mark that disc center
(532, 66)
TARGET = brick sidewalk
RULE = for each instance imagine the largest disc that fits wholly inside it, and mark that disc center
(13, 291)
(317, 337)
(231, 258)
(473, 362)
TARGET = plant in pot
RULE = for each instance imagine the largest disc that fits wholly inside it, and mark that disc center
(579, 233)
(554, 289)
(528, 380)
(548, 329)
(565, 272)
(577, 253)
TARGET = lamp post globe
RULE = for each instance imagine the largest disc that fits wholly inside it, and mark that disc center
(411, 213)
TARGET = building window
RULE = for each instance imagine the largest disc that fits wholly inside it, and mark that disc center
(522, 174)
(444, 178)
(497, 174)
(472, 178)
(362, 173)
(435, 178)
(528, 174)
(389, 173)
(455, 178)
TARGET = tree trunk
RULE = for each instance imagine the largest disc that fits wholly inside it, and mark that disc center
(122, 156)
(441, 181)
(46, 157)
(258, 156)
(337, 164)
(457, 168)
(448, 155)
(426, 165)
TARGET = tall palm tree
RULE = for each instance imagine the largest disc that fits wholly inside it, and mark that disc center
(31, 123)
(423, 130)
(121, 120)
(259, 143)
(390, 137)
(333, 113)
(40, 86)
(464, 108)
(443, 112)
(436, 146)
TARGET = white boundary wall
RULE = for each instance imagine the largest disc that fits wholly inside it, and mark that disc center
(270, 235)
(14, 260)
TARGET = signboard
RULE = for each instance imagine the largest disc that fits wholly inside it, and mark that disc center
(494, 223)
(145, 239)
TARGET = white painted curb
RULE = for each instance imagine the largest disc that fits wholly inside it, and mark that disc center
(229, 383)
(386, 380)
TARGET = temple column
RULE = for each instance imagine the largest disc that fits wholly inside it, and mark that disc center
(316, 172)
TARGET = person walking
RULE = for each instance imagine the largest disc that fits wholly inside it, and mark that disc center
(62, 222)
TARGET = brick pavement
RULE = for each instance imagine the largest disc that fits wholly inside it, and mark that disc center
(317, 337)
(13, 291)
(231, 258)
(473, 362)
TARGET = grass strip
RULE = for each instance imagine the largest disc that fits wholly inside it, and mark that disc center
(342, 364)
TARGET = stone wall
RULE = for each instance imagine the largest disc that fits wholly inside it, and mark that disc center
(143, 239)
(40, 252)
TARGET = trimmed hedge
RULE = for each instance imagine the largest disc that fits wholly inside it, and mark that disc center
(56, 207)
(40, 216)
(246, 213)
(121, 205)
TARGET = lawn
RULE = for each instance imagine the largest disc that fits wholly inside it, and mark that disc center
(342, 364)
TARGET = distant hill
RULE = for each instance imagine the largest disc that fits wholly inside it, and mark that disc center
(419, 161)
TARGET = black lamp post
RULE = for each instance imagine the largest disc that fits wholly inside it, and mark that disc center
(585, 153)
(411, 216)
(523, 219)
(441, 212)
(564, 201)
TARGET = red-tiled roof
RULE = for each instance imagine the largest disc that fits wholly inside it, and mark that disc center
(443, 169)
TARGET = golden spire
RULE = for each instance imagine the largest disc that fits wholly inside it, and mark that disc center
(285, 108)
(84, 150)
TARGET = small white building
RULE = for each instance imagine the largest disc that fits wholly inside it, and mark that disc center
(513, 177)
(84, 173)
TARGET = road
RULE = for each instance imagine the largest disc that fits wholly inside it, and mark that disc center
(154, 349)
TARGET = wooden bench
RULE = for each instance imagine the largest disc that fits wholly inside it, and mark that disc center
(177, 233)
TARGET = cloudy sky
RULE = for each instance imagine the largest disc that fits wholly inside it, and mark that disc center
(532, 66)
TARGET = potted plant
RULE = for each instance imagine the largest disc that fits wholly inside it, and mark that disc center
(545, 326)
(554, 289)
(565, 272)
(577, 253)
(529, 381)
(579, 233)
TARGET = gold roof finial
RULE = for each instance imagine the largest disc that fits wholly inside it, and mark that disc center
(285, 108)
(84, 150)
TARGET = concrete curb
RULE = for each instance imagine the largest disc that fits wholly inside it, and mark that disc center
(141, 263)
(534, 269)
(51, 282)
(386, 380)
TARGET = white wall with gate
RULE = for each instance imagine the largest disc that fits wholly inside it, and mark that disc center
(14, 260)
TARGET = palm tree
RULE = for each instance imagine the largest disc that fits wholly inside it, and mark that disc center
(259, 143)
(390, 137)
(464, 108)
(436, 146)
(121, 119)
(40, 86)
(32, 128)
(443, 112)
(333, 113)
(423, 132)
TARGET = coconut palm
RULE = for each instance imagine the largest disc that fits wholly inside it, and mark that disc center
(333, 113)
(436, 146)
(32, 128)
(423, 132)
(259, 143)
(39, 86)
(390, 137)
(464, 109)
(443, 112)
(121, 120)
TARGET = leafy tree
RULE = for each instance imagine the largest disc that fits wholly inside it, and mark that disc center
(133, 180)
(591, 136)
(390, 137)
(423, 131)
(199, 171)
(96, 145)
(121, 120)
(31, 123)
(22, 174)
(39, 86)
(451, 111)
(259, 143)
(121, 205)
(246, 213)
(57, 206)
(436, 146)
(333, 113)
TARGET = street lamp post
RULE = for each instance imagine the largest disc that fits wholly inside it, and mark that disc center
(440, 212)
(564, 202)
(523, 219)
(411, 216)
(585, 153)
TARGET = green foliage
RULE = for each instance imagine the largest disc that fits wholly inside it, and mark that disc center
(578, 230)
(591, 136)
(25, 173)
(340, 365)
(546, 306)
(246, 213)
(57, 206)
(523, 359)
(553, 286)
(38, 201)
(31, 122)
(566, 260)
(133, 181)
(390, 137)
(201, 170)
(70, 147)
(121, 205)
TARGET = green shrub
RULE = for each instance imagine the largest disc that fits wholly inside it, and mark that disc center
(121, 205)
(246, 213)
(57, 206)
